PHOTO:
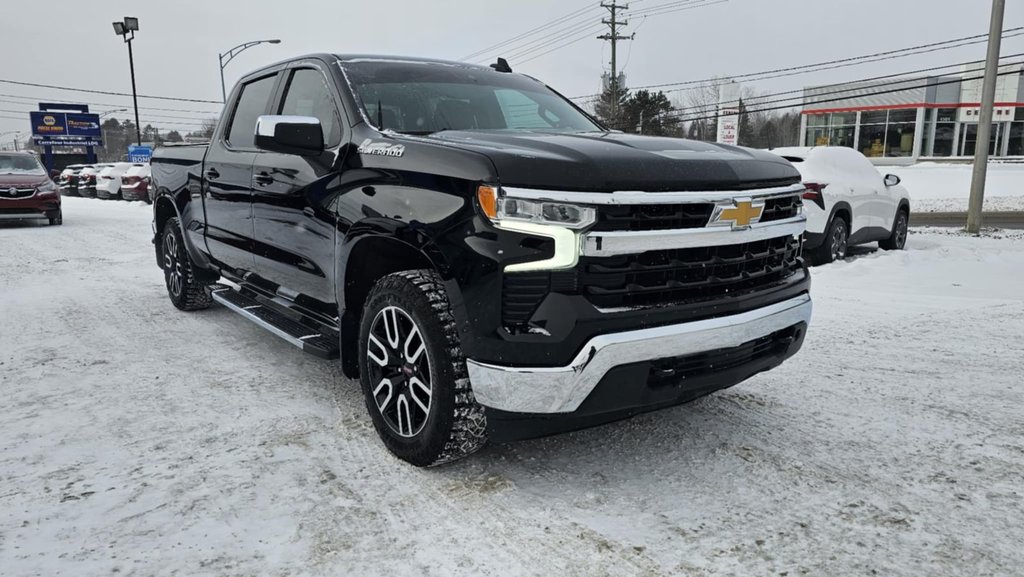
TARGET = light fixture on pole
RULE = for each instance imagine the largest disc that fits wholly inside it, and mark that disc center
(126, 29)
(227, 56)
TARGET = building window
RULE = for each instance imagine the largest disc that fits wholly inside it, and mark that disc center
(887, 133)
(872, 133)
(831, 129)
(945, 130)
(1016, 138)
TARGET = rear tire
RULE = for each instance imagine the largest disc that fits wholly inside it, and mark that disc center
(185, 288)
(413, 374)
(898, 240)
(836, 243)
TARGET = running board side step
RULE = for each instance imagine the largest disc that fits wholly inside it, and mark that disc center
(314, 341)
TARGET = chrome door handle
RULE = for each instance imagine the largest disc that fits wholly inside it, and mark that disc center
(263, 179)
(212, 174)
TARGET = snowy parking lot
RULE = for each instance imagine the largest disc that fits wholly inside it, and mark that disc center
(139, 440)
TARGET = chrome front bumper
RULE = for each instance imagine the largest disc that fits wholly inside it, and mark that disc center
(563, 389)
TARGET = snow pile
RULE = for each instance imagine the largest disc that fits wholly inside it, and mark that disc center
(140, 440)
(936, 187)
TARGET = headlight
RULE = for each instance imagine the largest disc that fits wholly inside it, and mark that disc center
(46, 188)
(498, 207)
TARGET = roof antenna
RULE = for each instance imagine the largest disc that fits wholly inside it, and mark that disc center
(502, 66)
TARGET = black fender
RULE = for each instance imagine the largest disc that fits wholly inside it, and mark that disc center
(814, 240)
(371, 249)
(178, 195)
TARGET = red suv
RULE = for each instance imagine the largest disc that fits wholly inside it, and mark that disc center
(26, 190)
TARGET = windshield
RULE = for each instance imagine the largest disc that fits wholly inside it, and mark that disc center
(21, 164)
(427, 97)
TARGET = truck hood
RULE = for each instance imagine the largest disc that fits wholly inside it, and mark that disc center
(606, 162)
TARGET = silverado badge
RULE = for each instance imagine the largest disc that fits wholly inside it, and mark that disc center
(739, 214)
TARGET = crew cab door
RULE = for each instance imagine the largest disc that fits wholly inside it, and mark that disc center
(294, 229)
(227, 177)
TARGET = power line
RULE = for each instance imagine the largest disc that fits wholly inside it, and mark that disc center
(113, 107)
(548, 39)
(894, 53)
(37, 99)
(586, 29)
(106, 92)
(585, 35)
(758, 98)
(570, 16)
(863, 95)
(678, 7)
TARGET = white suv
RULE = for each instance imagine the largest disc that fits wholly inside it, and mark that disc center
(848, 202)
(108, 181)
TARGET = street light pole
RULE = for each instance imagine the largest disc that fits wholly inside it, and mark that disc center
(131, 25)
(230, 54)
(988, 98)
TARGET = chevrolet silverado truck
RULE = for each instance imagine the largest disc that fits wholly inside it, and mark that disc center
(485, 257)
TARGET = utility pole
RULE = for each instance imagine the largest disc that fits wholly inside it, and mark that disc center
(614, 24)
(988, 98)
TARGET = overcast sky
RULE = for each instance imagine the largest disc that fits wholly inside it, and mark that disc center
(71, 43)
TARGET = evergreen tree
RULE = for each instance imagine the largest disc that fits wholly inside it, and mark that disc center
(608, 114)
(648, 112)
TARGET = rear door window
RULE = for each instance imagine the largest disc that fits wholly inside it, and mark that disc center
(251, 105)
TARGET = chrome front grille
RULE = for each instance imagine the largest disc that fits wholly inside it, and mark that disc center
(662, 249)
(16, 193)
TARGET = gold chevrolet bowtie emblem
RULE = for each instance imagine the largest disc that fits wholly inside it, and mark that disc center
(739, 214)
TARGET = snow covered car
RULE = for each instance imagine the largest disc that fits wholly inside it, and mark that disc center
(67, 182)
(26, 191)
(848, 202)
(135, 183)
(108, 181)
(87, 179)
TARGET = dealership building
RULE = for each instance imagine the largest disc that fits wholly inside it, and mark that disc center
(921, 118)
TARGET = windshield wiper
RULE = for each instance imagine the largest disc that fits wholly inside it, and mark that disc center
(421, 132)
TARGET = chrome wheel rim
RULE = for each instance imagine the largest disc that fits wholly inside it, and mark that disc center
(172, 265)
(398, 366)
(839, 241)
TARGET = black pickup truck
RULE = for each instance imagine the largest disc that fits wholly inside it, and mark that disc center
(488, 259)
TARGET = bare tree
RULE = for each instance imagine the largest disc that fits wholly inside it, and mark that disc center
(700, 104)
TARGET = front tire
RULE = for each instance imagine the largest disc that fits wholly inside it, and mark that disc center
(56, 218)
(185, 288)
(413, 374)
(837, 241)
(898, 240)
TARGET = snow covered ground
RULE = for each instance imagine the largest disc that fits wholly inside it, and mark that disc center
(140, 440)
(938, 187)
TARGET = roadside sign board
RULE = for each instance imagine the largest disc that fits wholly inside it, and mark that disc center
(66, 142)
(139, 153)
(66, 127)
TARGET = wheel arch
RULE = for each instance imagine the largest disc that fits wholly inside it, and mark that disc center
(841, 208)
(164, 210)
(368, 258)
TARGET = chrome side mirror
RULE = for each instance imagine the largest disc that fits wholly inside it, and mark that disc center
(298, 135)
(892, 180)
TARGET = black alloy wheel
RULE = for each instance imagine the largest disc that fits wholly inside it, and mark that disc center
(898, 240)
